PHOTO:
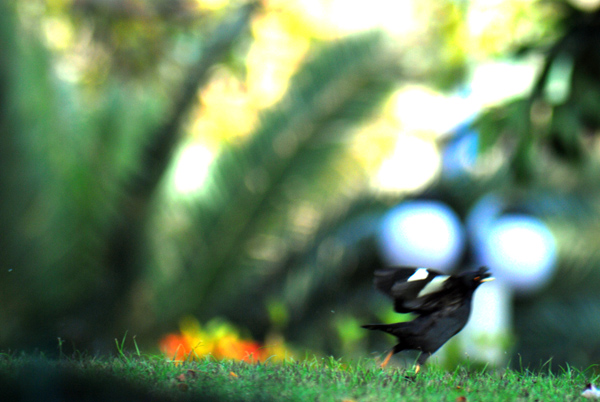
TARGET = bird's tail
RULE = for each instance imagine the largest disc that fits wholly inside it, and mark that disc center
(389, 328)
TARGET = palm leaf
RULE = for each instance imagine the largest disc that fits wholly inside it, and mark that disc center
(340, 86)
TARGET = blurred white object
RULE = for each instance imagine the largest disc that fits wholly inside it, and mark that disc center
(422, 233)
(591, 392)
(487, 336)
(519, 250)
(414, 163)
(521, 253)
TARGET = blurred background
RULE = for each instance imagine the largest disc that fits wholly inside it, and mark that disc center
(165, 163)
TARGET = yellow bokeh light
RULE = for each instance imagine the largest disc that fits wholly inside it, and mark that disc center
(58, 33)
(374, 142)
(414, 163)
(275, 55)
(495, 26)
(211, 5)
(226, 110)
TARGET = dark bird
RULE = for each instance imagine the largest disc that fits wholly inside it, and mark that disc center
(442, 304)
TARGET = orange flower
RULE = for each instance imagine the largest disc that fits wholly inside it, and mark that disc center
(220, 339)
(253, 352)
(175, 346)
(230, 347)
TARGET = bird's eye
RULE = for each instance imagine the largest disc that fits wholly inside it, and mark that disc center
(477, 278)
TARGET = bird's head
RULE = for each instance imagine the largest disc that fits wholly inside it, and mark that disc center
(472, 279)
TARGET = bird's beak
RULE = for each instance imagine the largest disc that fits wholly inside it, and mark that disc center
(487, 279)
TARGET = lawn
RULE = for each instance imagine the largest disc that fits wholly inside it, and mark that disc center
(147, 378)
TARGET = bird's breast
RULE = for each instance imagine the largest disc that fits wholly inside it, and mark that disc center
(437, 328)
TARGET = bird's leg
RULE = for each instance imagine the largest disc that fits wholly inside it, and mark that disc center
(421, 361)
(387, 359)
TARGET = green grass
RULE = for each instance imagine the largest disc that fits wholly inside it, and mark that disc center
(146, 378)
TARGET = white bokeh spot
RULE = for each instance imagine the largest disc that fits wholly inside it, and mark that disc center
(521, 251)
(422, 233)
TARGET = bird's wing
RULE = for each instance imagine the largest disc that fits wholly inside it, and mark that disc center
(399, 281)
(405, 285)
(433, 302)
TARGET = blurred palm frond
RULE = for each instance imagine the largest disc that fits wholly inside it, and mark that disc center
(339, 87)
(78, 176)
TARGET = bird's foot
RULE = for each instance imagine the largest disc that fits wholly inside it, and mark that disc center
(411, 375)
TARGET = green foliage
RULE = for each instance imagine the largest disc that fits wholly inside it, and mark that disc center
(547, 124)
(78, 176)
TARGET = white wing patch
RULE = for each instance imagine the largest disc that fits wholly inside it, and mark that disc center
(433, 286)
(420, 273)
